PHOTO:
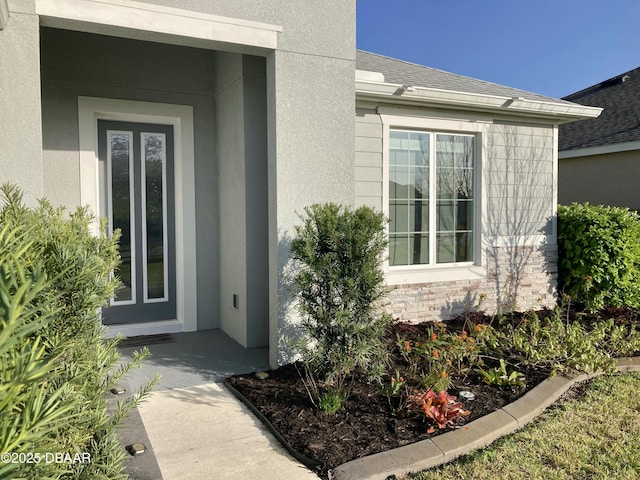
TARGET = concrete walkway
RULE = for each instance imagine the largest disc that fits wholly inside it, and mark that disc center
(192, 426)
(203, 432)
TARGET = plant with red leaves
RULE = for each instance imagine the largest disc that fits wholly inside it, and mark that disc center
(442, 408)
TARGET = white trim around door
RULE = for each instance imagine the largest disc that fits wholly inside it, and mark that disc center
(90, 110)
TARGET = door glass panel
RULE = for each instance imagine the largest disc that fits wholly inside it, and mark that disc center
(121, 166)
(154, 155)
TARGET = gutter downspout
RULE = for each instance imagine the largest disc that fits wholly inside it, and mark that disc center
(4, 13)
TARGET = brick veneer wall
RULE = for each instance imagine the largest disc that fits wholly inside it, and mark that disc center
(519, 277)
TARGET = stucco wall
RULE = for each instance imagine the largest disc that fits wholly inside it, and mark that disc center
(256, 200)
(78, 64)
(610, 179)
(242, 155)
(310, 120)
(515, 193)
(325, 29)
(21, 131)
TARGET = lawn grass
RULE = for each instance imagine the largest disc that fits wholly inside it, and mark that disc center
(591, 435)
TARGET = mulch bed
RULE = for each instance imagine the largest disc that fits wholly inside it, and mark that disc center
(368, 424)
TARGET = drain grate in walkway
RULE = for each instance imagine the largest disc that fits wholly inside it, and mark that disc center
(144, 340)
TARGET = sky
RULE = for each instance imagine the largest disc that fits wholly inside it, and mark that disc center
(550, 47)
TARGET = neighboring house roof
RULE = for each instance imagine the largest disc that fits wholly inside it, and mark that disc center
(620, 120)
(410, 83)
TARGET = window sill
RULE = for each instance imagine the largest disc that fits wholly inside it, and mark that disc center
(408, 276)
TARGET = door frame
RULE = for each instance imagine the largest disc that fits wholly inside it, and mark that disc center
(90, 110)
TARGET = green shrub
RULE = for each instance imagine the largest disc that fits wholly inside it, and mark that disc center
(599, 255)
(30, 410)
(56, 276)
(553, 343)
(339, 285)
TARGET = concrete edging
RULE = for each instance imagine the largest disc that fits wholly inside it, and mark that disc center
(479, 433)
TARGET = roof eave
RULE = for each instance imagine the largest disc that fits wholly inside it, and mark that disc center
(422, 96)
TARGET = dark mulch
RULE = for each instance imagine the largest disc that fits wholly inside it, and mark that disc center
(369, 424)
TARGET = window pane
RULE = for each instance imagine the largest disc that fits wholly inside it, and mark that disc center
(444, 151)
(445, 216)
(419, 146)
(463, 151)
(445, 247)
(418, 216)
(399, 182)
(446, 182)
(419, 182)
(454, 180)
(154, 159)
(464, 183)
(455, 151)
(419, 245)
(398, 250)
(119, 154)
(464, 247)
(398, 216)
(464, 216)
(399, 157)
(399, 148)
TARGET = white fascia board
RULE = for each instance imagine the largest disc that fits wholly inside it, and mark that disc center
(156, 19)
(601, 150)
(4, 13)
(422, 96)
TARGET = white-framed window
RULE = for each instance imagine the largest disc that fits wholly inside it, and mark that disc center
(431, 199)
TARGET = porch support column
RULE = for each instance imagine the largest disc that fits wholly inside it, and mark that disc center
(20, 108)
(241, 149)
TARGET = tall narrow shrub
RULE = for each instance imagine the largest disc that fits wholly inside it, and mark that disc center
(599, 255)
(339, 286)
(56, 330)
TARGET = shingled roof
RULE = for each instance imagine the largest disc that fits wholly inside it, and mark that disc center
(407, 73)
(618, 123)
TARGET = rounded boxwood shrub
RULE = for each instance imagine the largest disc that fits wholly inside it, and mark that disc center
(599, 255)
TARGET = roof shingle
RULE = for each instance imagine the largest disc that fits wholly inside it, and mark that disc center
(406, 73)
(618, 123)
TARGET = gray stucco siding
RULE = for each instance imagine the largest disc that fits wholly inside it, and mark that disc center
(324, 28)
(20, 107)
(315, 157)
(311, 133)
(241, 153)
